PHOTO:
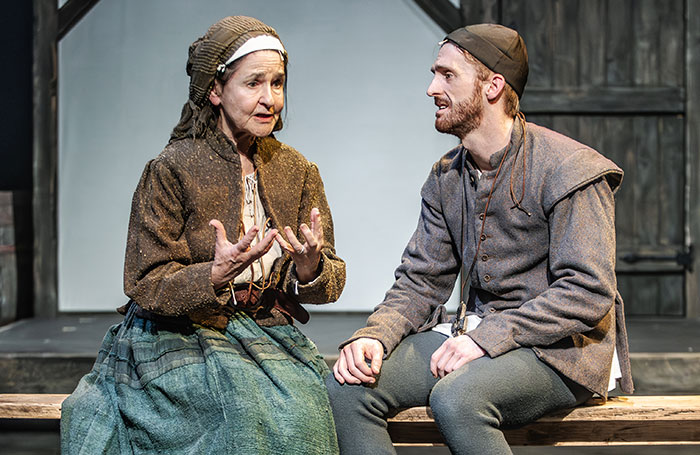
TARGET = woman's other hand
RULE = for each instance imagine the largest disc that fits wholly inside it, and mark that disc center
(231, 259)
(306, 256)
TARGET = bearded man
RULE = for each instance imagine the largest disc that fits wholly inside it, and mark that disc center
(528, 216)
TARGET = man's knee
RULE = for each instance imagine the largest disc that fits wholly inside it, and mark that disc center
(454, 401)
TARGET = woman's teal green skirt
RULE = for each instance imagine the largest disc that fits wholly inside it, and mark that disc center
(249, 390)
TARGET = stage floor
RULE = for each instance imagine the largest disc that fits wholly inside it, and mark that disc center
(82, 333)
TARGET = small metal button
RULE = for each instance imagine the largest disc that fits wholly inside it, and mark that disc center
(484, 257)
(492, 310)
(481, 216)
(483, 237)
(487, 278)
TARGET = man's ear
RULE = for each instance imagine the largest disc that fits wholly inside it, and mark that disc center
(215, 94)
(495, 87)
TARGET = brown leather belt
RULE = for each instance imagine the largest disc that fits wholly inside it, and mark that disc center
(256, 303)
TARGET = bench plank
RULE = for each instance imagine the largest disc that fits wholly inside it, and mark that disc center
(648, 420)
(31, 406)
(634, 420)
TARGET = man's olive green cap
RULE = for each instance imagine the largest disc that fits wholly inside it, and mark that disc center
(500, 48)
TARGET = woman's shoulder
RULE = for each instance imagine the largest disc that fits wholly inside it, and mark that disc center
(176, 150)
(169, 164)
(182, 155)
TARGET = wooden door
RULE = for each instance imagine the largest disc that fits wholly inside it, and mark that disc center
(611, 74)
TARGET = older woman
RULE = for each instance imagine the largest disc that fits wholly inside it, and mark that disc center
(230, 229)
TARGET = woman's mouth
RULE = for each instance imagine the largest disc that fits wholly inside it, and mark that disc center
(264, 117)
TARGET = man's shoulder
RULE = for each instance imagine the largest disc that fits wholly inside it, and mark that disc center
(563, 164)
(555, 151)
(449, 161)
(549, 141)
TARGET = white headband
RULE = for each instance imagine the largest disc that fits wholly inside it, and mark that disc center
(257, 43)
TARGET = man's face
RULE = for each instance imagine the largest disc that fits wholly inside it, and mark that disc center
(457, 92)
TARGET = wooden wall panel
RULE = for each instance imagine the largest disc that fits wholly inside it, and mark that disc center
(626, 58)
(565, 44)
(672, 44)
(692, 145)
(671, 182)
(645, 42)
(592, 49)
(652, 294)
(618, 37)
(645, 182)
(614, 43)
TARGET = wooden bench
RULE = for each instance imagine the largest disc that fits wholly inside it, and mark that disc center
(633, 420)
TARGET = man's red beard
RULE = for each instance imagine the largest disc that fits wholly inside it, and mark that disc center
(465, 116)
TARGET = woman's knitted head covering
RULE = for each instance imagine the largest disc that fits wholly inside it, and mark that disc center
(206, 54)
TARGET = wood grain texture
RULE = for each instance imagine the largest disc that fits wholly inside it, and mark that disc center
(45, 159)
(477, 11)
(619, 421)
(70, 14)
(619, 37)
(31, 406)
(8, 260)
(443, 12)
(592, 49)
(603, 100)
(692, 147)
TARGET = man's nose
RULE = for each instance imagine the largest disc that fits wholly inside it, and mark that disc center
(432, 88)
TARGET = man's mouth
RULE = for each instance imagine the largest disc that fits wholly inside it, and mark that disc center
(441, 104)
(441, 107)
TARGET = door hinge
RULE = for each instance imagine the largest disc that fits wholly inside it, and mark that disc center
(682, 258)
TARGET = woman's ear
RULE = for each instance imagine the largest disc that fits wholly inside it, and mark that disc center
(215, 94)
(496, 86)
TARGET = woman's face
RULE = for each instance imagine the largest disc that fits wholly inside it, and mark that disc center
(252, 98)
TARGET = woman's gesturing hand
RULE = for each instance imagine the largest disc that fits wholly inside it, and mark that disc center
(305, 256)
(231, 259)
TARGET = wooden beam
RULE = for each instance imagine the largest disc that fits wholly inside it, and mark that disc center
(443, 12)
(480, 11)
(692, 155)
(45, 158)
(604, 100)
(70, 14)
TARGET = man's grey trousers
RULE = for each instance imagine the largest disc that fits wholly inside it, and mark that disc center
(470, 404)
